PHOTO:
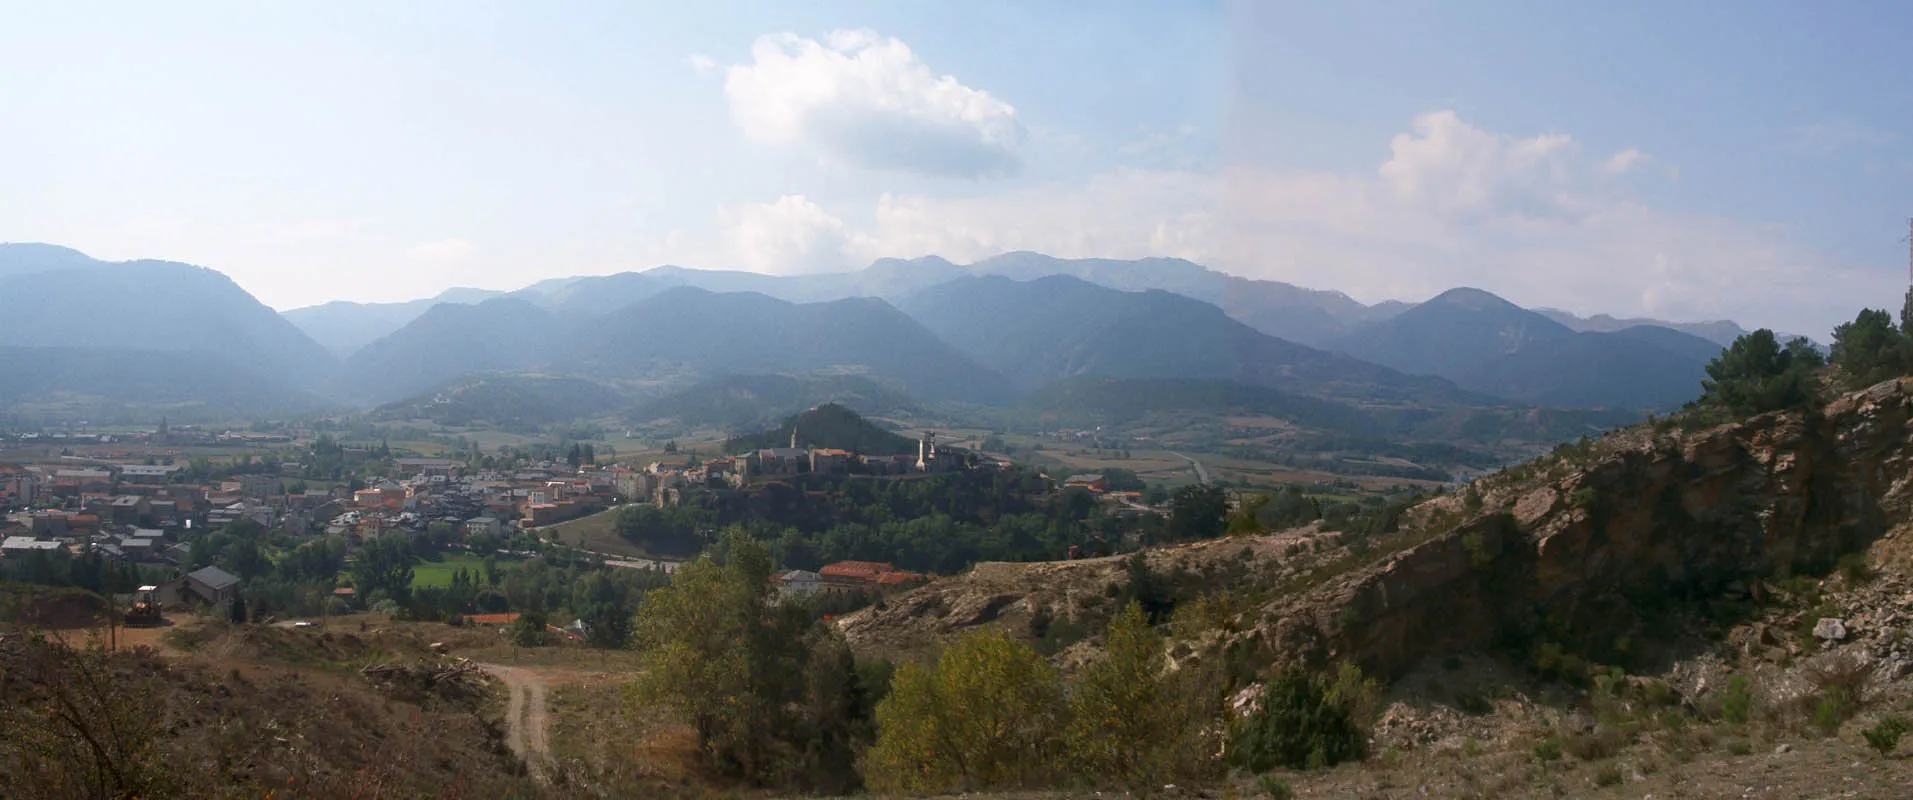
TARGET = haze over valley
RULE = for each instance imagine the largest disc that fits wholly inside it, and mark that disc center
(994, 399)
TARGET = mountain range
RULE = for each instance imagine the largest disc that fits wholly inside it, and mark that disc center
(1489, 345)
(927, 329)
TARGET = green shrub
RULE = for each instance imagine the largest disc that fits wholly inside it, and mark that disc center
(1275, 788)
(1603, 743)
(1300, 723)
(1740, 747)
(1608, 775)
(1479, 556)
(1736, 704)
(1840, 687)
(1854, 567)
(1548, 749)
(1473, 704)
(1829, 714)
(1885, 734)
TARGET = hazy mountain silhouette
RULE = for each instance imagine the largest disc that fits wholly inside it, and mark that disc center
(343, 327)
(1058, 327)
(1486, 344)
(713, 333)
(56, 298)
(450, 340)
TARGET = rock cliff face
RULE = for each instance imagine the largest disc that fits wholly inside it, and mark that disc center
(1587, 549)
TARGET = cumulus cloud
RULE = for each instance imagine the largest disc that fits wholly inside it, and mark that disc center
(867, 101)
(790, 236)
(703, 64)
(1529, 218)
(1446, 165)
(1624, 161)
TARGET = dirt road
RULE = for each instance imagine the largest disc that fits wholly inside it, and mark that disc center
(1202, 472)
(526, 716)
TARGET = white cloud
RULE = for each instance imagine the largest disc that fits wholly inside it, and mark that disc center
(788, 237)
(443, 250)
(1453, 205)
(867, 101)
(1447, 165)
(1624, 161)
(704, 64)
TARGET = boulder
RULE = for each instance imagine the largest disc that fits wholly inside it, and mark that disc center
(1830, 630)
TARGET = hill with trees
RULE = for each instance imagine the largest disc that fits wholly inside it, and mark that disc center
(743, 402)
(828, 426)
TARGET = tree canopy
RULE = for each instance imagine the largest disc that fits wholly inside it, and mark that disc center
(1871, 349)
(1757, 374)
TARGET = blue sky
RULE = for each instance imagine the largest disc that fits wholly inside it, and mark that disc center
(1686, 160)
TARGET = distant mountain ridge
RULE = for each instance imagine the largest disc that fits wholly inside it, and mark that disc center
(1312, 317)
(1059, 327)
(80, 333)
(985, 333)
(679, 333)
(343, 327)
(1489, 345)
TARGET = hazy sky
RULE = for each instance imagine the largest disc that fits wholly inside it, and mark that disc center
(1686, 160)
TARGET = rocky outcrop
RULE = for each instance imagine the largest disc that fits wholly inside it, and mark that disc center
(1587, 552)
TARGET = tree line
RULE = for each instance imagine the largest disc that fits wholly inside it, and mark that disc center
(776, 698)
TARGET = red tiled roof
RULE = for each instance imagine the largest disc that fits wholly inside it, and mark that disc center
(864, 570)
(492, 619)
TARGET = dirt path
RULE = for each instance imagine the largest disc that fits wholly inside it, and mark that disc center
(526, 716)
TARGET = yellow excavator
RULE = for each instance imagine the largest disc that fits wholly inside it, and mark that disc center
(145, 610)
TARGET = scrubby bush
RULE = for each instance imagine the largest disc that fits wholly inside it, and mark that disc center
(1737, 701)
(1301, 722)
(1840, 686)
(1608, 775)
(1856, 570)
(1885, 734)
(1275, 788)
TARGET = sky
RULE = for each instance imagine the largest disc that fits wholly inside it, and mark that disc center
(1687, 161)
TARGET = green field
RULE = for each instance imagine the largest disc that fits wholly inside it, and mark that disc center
(438, 570)
(597, 532)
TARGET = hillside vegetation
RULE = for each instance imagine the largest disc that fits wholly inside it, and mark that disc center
(744, 402)
(828, 426)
